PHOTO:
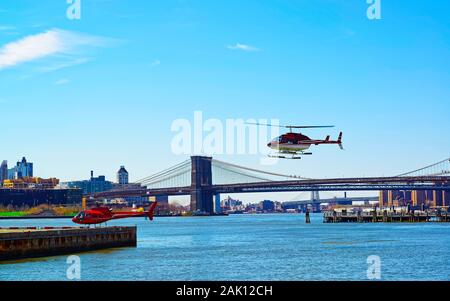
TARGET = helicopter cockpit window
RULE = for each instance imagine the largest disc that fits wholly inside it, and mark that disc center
(284, 139)
(81, 215)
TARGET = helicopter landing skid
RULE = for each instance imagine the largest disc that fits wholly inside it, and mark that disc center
(290, 156)
(285, 157)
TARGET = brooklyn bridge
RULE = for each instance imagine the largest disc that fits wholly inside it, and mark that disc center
(204, 179)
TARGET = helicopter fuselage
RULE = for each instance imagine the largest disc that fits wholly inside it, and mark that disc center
(297, 143)
(292, 142)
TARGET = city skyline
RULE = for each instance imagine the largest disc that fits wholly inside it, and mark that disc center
(105, 94)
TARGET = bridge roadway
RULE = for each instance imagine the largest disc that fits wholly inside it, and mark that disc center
(339, 184)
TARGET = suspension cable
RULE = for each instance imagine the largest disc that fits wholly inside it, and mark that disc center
(243, 174)
(259, 171)
(164, 172)
(424, 168)
(162, 180)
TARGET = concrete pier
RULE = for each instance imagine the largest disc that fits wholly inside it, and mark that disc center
(19, 243)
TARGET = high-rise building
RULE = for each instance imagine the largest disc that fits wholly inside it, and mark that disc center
(3, 172)
(23, 169)
(122, 176)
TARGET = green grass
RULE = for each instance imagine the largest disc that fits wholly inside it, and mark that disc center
(12, 214)
(71, 213)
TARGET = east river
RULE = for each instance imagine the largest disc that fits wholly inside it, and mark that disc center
(253, 247)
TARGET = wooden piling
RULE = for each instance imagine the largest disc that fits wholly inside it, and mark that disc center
(307, 217)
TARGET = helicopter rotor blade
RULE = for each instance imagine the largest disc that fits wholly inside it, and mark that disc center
(294, 126)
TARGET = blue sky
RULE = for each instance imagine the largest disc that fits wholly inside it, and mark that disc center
(108, 88)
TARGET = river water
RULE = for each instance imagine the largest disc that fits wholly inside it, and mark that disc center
(253, 247)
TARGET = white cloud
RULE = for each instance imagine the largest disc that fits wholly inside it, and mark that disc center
(156, 63)
(243, 47)
(52, 43)
(62, 81)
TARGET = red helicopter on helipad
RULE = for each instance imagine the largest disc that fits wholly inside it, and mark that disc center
(294, 145)
(100, 215)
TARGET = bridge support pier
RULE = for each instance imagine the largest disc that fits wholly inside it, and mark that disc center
(202, 197)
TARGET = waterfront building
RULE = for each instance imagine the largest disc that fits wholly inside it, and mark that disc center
(161, 199)
(302, 206)
(11, 174)
(136, 200)
(99, 184)
(123, 183)
(231, 205)
(35, 197)
(252, 208)
(93, 185)
(122, 176)
(31, 183)
(278, 207)
(267, 206)
(163, 207)
(3, 172)
(414, 198)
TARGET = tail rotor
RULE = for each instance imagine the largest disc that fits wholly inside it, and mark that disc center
(340, 141)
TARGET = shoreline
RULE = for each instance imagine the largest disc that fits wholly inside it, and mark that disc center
(33, 217)
(70, 217)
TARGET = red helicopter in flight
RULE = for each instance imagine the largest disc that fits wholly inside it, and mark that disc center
(100, 215)
(294, 145)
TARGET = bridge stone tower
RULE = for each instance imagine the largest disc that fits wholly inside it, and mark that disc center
(201, 183)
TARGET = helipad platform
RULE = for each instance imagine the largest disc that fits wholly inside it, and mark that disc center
(19, 243)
